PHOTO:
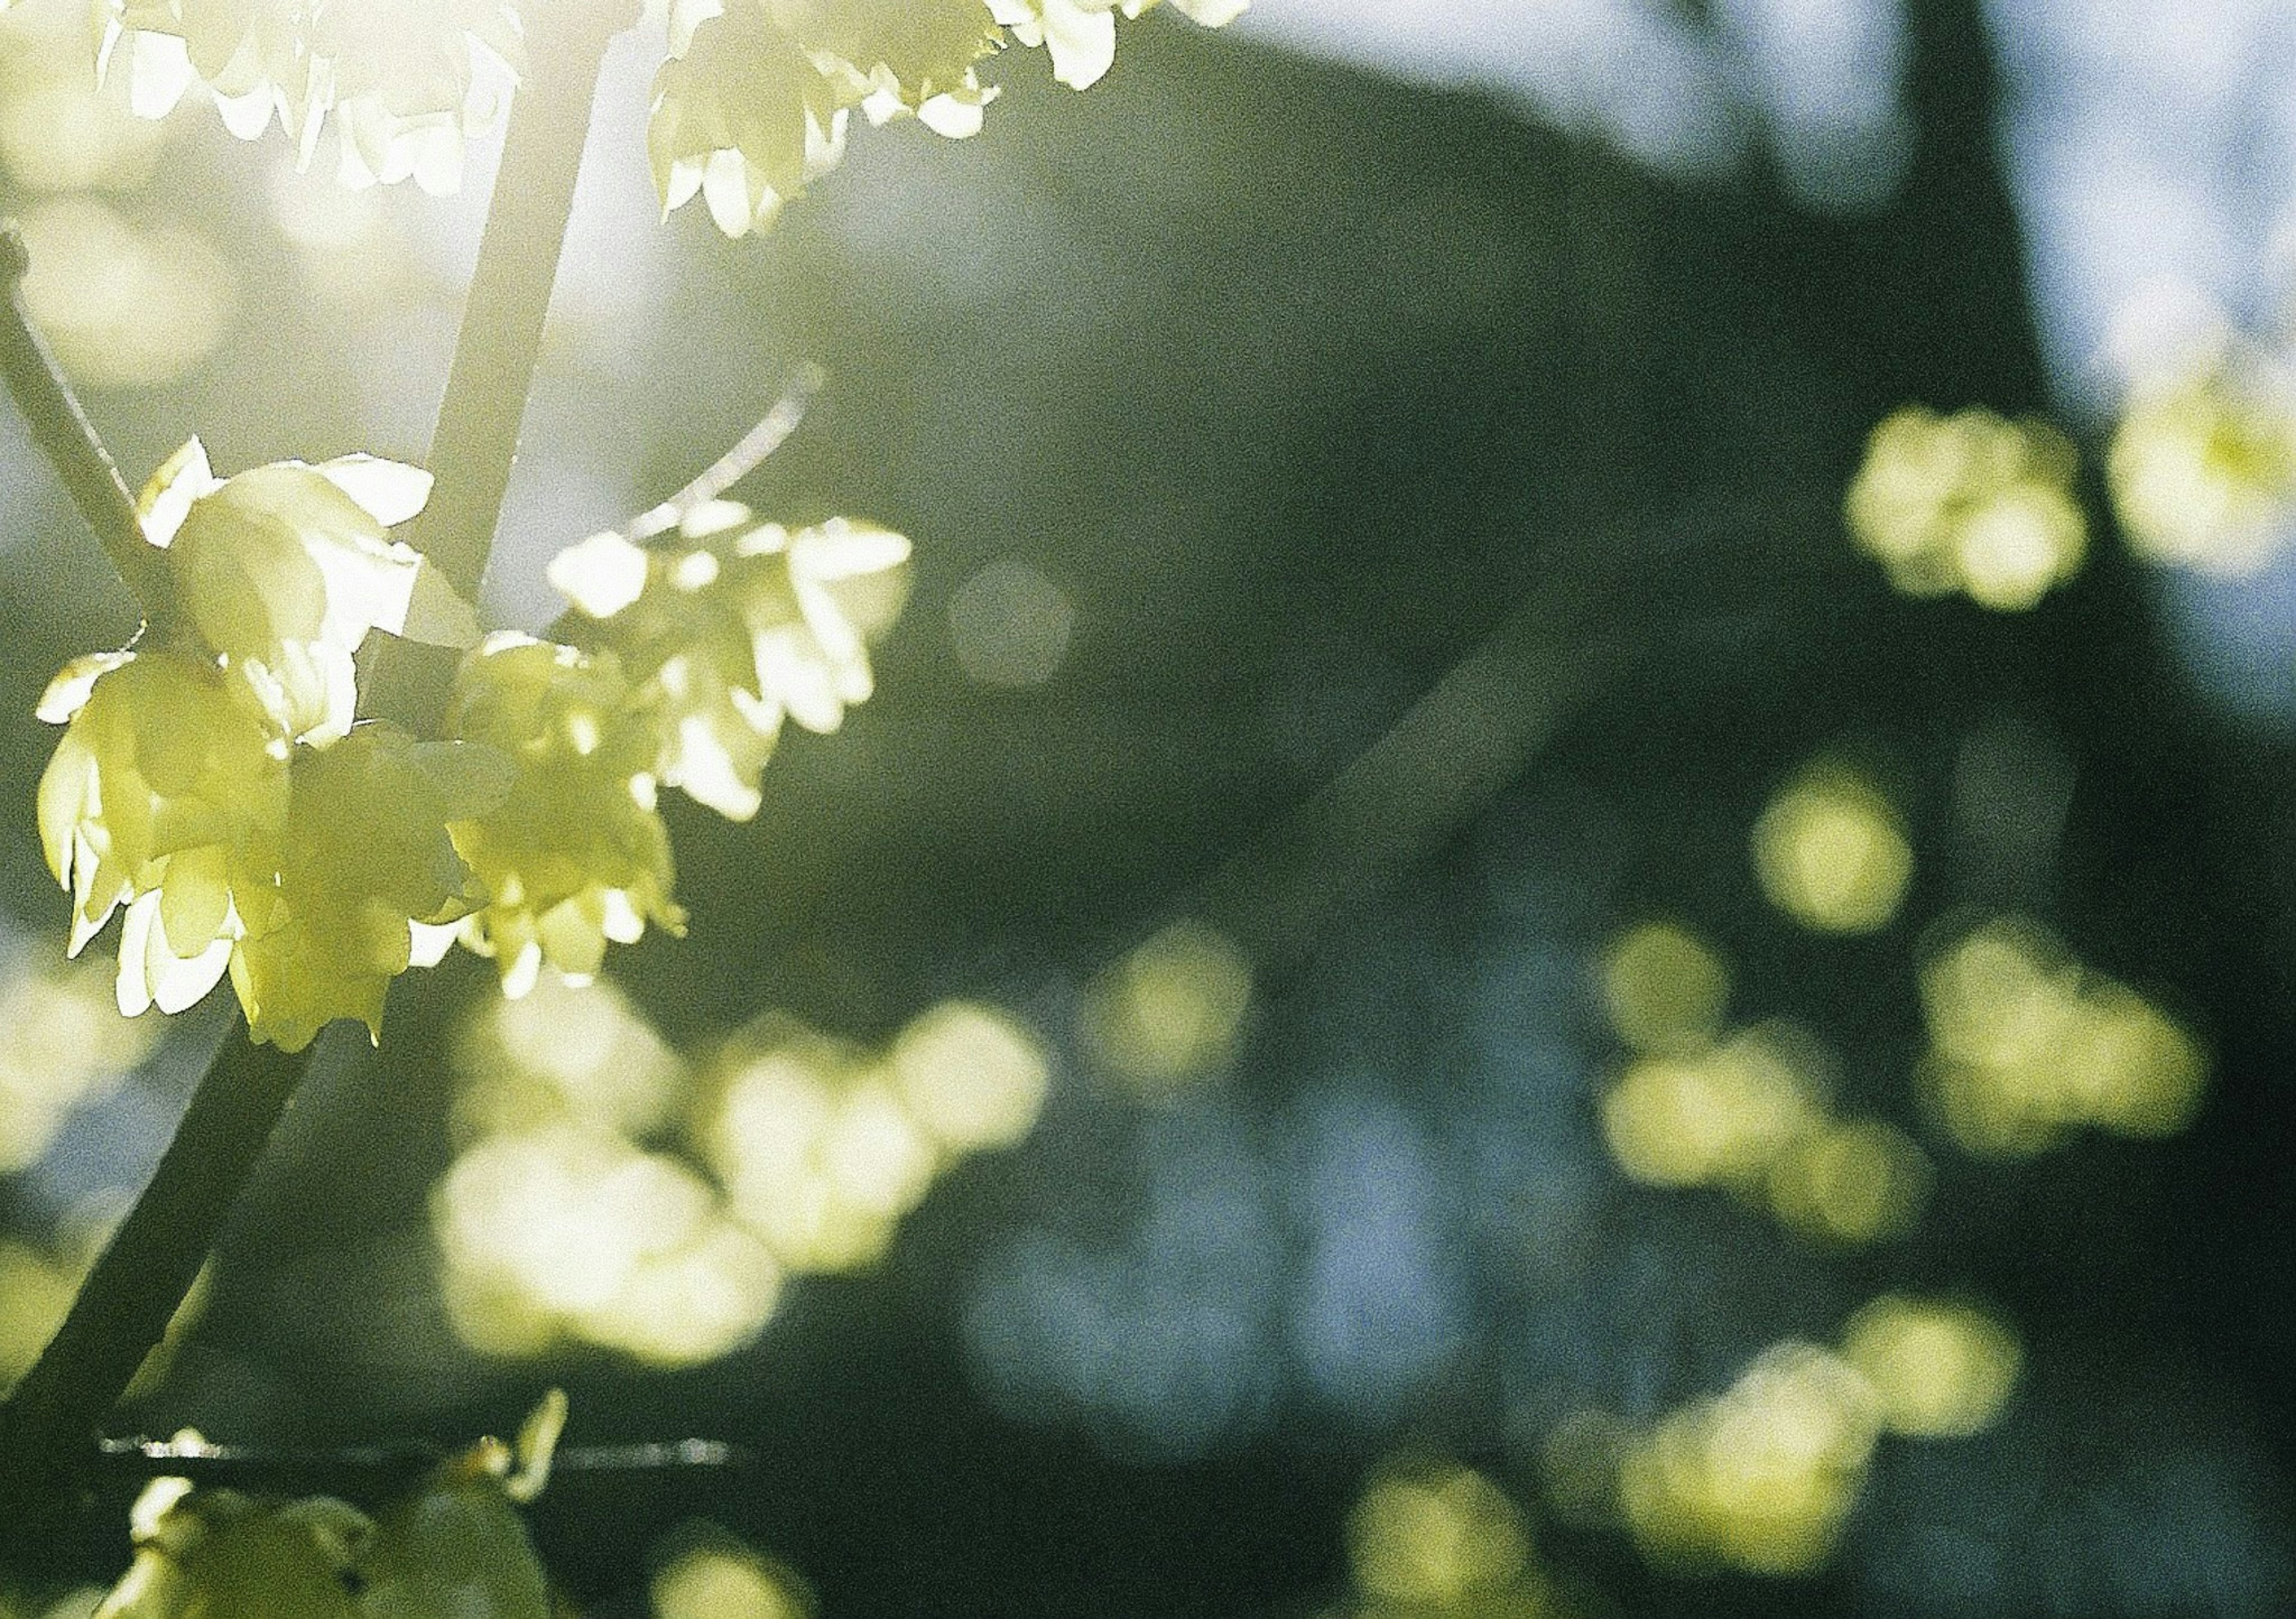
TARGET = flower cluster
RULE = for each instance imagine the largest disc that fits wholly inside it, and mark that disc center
(215, 784)
(407, 82)
(751, 105)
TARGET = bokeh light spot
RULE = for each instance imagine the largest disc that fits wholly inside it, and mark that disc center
(1938, 1369)
(1831, 852)
(1664, 987)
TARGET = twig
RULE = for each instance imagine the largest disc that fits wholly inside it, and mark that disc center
(736, 463)
(123, 1309)
(62, 429)
(382, 1465)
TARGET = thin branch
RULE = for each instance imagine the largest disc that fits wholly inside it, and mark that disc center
(62, 429)
(380, 1466)
(736, 463)
(123, 1309)
(475, 443)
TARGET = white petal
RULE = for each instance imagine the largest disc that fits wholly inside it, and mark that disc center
(601, 576)
(390, 492)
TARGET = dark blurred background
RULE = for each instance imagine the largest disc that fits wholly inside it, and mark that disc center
(1379, 542)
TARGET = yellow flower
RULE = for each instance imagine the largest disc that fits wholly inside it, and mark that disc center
(364, 857)
(576, 855)
(168, 789)
(282, 569)
(1080, 35)
(752, 105)
(726, 632)
(744, 119)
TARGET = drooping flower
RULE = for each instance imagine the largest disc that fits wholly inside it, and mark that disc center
(364, 859)
(732, 628)
(575, 856)
(753, 103)
(407, 82)
(166, 794)
(1080, 35)
(283, 569)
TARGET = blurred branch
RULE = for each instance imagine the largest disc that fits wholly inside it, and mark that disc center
(1448, 756)
(62, 429)
(736, 463)
(123, 1309)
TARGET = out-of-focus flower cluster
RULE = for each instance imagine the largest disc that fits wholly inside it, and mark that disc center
(752, 104)
(1763, 1476)
(1969, 502)
(216, 784)
(2202, 467)
(2026, 1045)
(1430, 1539)
(610, 1192)
(1748, 1111)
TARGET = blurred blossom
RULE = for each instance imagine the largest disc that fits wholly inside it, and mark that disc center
(1718, 1116)
(1664, 987)
(1850, 1183)
(1434, 1538)
(1760, 1477)
(558, 1222)
(2025, 1045)
(972, 1076)
(1171, 1011)
(2202, 467)
(59, 130)
(1940, 1371)
(561, 1232)
(1830, 852)
(816, 1153)
(1010, 626)
(1969, 502)
(61, 1043)
(123, 307)
(823, 1148)
(562, 1051)
(715, 1577)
